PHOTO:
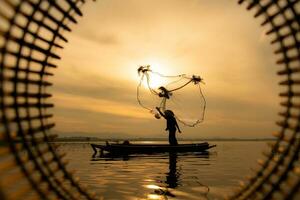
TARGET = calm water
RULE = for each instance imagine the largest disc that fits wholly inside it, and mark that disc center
(164, 176)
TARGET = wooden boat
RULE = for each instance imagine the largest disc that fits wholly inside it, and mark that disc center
(128, 148)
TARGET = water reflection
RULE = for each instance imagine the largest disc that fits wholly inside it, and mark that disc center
(173, 175)
(165, 188)
(129, 177)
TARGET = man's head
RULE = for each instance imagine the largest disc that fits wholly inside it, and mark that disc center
(169, 113)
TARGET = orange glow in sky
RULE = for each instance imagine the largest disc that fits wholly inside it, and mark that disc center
(95, 84)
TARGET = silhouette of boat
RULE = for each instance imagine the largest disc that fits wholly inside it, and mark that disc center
(128, 148)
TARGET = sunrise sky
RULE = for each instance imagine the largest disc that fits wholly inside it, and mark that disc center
(95, 83)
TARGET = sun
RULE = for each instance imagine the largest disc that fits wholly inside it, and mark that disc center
(156, 80)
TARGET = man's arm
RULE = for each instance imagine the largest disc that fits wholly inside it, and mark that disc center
(178, 127)
(162, 114)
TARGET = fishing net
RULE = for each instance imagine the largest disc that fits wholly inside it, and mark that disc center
(181, 93)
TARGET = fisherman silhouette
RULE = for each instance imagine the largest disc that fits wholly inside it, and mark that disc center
(172, 125)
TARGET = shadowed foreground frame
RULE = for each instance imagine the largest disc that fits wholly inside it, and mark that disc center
(31, 30)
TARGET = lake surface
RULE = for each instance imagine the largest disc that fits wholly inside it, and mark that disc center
(165, 176)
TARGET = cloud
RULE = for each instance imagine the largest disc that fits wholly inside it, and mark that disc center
(62, 100)
(107, 38)
(94, 86)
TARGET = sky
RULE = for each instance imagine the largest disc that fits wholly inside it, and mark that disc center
(95, 84)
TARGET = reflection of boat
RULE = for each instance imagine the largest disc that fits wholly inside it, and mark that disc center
(125, 157)
(128, 148)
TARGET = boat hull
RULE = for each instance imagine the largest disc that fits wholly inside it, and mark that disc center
(147, 148)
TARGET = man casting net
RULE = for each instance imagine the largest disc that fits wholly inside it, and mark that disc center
(180, 93)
